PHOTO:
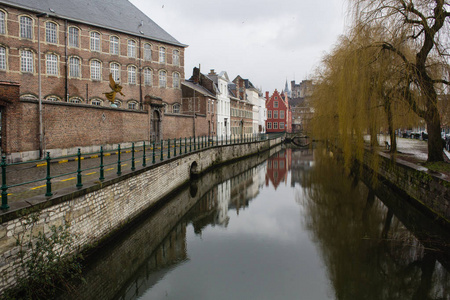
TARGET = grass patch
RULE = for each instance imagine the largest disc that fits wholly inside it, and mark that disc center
(442, 167)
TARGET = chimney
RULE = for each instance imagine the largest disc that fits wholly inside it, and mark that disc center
(267, 95)
(212, 72)
(196, 75)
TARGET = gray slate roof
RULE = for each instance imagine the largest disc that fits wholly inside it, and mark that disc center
(120, 15)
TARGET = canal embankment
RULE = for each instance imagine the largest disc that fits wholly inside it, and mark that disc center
(99, 209)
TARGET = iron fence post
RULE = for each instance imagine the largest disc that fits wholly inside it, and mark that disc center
(102, 171)
(195, 144)
(144, 158)
(4, 186)
(168, 148)
(174, 147)
(162, 155)
(49, 183)
(181, 149)
(119, 163)
(133, 166)
(154, 156)
(79, 184)
(185, 145)
(190, 144)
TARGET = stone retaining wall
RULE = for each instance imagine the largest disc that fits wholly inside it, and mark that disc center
(99, 209)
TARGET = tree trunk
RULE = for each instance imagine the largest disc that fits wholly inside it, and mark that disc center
(435, 152)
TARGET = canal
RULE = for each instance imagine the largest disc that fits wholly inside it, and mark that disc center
(294, 225)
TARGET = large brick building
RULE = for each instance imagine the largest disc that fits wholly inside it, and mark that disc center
(61, 54)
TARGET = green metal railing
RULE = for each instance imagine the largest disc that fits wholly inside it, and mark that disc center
(190, 144)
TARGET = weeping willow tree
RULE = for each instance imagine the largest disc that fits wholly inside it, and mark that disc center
(422, 27)
(357, 92)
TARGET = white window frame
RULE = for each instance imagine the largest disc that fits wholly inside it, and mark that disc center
(148, 77)
(114, 44)
(26, 61)
(131, 48)
(97, 102)
(176, 80)
(131, 70)
(75, 100)
(51, 32)
(132, 104)
(74, 37)
(3, 19)
(281, 114)
(51, 64)
(74, 67)
(96, 69)
(115, 71)
(147, 52)
(176, 57)
(176, 108)
(94, 41)
(162, 55)
(162, 79)
(2, 58)
(26, 27)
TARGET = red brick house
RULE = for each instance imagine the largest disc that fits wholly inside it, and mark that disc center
(279, 117)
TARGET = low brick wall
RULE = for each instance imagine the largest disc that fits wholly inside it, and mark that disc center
(428, 190)
(99, 209)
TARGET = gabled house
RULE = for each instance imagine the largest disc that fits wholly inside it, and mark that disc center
(199, 102)
(221, 82)
(278, 113)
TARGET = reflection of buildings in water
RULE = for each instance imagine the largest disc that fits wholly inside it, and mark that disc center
(223, 199)
(242, 189)
(166, 256)
(278, 167)
(301, 163)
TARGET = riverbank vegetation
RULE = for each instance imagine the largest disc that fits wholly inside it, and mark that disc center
(389, 71)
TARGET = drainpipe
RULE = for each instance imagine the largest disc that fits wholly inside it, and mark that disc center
(41, 125)
(66, 71)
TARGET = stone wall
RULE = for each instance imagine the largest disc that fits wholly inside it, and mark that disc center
(426, 189)
(100, 208)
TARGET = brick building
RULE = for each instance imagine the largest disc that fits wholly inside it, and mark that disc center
(72, 48)
(278, 113)
(300, 103)
(199, 103)
(241, 110)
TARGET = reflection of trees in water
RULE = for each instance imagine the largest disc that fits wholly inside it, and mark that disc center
(369, 254)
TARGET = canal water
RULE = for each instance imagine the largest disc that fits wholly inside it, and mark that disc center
(292, 225)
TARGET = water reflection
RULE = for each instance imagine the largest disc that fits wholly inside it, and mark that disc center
(247, 234)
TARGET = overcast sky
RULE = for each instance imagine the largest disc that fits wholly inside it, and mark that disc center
(265, 41)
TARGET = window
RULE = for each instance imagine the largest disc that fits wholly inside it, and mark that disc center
(269, 125)
(281, 125)
(275, 125)
(52, 64)
(132, 75)
(26, 61)
(132, 105)
(2, 22)
(275, 114)
(176, 108)
(275, 103)
(162, 79)
(118, 103)
(162, 55)
(96, 102)
(131, 52)
(114, 45)
(75, 100)
(74, 35)
(51, 33)
(74, 67)
(148, 78)
(95, 41)
(269, 114)
(147, 52)
(96, 68)
(53, 98)
(176, 57)
(281, 114)
(2, 58)
(26, 30)
(115, 71)
(176, 80)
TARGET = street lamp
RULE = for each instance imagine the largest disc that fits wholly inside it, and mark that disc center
(41, 126)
